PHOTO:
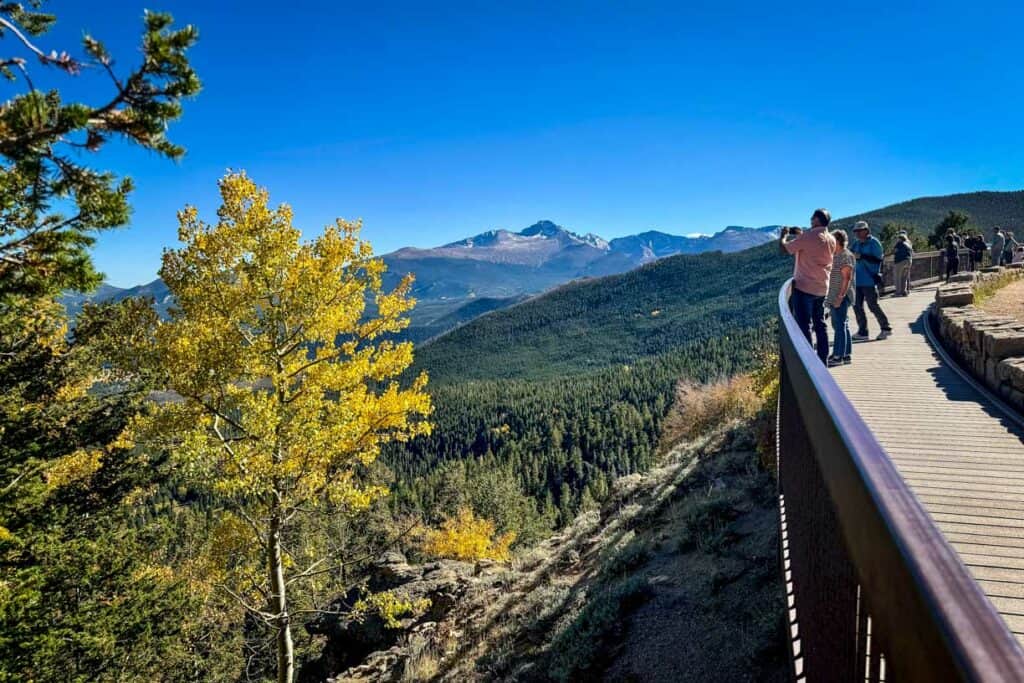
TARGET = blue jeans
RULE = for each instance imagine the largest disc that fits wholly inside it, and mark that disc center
(809, 311)
(842, 344)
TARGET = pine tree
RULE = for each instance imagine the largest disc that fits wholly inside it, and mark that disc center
(62, 529)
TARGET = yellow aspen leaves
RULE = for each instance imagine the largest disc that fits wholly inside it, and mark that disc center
(467, 537)
(271, 347)
(277, 352)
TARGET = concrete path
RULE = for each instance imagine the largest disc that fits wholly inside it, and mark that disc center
(962, 457)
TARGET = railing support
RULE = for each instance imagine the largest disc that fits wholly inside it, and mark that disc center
(876, 591)
(824, 582)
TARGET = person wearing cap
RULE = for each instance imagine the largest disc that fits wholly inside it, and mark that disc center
(812, 267)
(868, 275)
(902, 260)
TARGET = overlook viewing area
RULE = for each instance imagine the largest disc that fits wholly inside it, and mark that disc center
(902, 508)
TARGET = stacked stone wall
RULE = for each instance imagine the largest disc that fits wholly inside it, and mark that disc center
(991, 347)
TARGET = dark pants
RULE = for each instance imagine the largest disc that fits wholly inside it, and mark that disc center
(809, 311)
(952, 267)
(869, 296)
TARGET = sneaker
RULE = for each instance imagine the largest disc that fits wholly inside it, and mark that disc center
(833, 361)
(884, 334)
(861, 337)
(847, 360)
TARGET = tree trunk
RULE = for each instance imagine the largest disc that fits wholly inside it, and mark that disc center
(279, 603)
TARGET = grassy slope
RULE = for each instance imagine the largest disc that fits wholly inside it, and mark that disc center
(617, 319)
(676, 578)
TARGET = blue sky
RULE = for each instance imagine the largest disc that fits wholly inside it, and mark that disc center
(434, 121)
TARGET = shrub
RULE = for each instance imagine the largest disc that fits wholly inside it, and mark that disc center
(389, 607)
(701, 407)
(766, 383)
(466, 537)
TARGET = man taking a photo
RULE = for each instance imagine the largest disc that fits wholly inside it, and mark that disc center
(812, 266)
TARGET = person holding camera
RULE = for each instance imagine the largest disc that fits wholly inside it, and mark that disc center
(868, 252)
(813, 251)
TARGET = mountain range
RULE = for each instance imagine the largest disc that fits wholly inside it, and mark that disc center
(461, 280)
(458, 281)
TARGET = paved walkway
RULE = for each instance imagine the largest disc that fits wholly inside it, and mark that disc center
(963, 459)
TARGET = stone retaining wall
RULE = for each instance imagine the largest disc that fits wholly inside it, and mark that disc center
(990, 346)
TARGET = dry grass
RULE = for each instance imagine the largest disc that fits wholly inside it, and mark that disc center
(1001, 295)
(700, 408)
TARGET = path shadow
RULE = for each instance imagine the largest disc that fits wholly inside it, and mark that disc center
(955, 388)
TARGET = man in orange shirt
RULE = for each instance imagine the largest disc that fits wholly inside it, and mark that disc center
(813, 250)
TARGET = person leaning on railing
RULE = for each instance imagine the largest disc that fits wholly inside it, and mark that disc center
(1010, 249)
(812, 266)
(902, 261)
(998, 243)
(976, 250)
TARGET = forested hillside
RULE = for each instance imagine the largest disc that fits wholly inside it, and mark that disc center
(561, 440)
(986, 210)
(590, 324)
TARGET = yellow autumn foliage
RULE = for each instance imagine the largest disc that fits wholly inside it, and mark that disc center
(390, 607)
(288, 385)
(73, 467)
(467, 537)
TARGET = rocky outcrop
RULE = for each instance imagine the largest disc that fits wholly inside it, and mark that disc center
(361, 646)
(991, 347)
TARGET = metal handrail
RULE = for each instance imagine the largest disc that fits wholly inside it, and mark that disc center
(926, 267)
(875, 589)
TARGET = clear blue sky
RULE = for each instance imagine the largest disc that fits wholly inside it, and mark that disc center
(434, 121)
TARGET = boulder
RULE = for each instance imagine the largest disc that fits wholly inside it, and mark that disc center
(1011, 371)
(363, 646)
(1001, 344)
(953, 295)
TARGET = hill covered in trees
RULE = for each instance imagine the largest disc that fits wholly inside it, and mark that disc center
(986, 210)
(558, 396)
(592, 324)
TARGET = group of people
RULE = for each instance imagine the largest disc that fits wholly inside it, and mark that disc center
(831, 272)
(1005, 248)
